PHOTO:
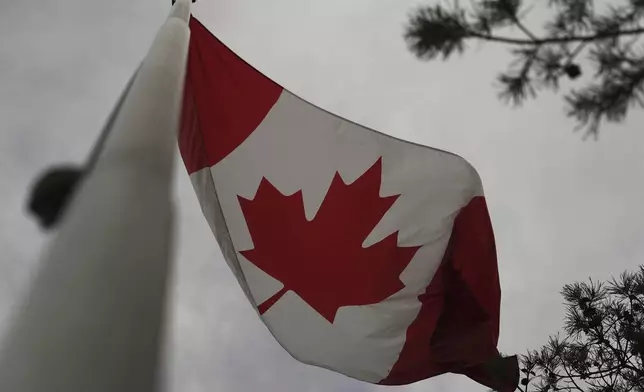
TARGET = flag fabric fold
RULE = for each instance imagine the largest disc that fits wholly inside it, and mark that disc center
(362, 253)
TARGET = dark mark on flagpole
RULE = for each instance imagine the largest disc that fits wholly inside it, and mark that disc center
(53, 190)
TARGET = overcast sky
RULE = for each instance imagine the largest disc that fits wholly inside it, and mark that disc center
(562, 209)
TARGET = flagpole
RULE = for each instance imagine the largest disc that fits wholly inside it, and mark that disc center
(93, 317)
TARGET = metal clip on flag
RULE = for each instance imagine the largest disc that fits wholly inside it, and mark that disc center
(93, 318)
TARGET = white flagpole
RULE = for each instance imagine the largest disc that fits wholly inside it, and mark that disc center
(93, 318)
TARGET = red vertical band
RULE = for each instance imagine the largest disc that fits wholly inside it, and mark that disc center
(458, 324)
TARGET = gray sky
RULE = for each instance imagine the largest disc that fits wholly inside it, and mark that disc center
(563, 209)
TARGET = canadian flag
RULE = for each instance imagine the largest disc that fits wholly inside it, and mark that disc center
(362, 253)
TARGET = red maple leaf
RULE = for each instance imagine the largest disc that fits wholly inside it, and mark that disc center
(323, 260)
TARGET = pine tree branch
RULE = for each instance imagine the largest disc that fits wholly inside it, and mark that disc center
(576, 51)
(605, 356)
(543, 59)
(638, 300)
(603, 377)
(523, 28)
(572, 379)
(554, 40)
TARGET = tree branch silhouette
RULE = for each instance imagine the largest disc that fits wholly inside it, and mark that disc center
(609, 40)
(604, 328)
(554, 40)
